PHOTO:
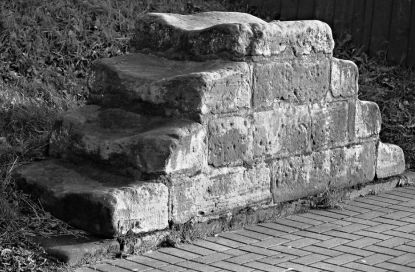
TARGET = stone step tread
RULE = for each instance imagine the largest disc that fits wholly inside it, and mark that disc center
(94, 200)
(184, 85)
(151, 84)
(230, 35)
(149, 144)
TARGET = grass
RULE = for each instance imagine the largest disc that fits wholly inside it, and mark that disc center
(46, 51)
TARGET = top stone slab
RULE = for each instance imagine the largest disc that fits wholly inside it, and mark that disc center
(229, 35)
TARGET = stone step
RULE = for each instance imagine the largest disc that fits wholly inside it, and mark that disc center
(148, 83)
(94, 200)
(129, 141)
(390, 160)
(151, 84)
(229, 35)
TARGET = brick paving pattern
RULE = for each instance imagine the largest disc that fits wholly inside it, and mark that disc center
(373, 233)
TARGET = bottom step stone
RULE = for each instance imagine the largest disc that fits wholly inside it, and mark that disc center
(93, 200)
(390, 160)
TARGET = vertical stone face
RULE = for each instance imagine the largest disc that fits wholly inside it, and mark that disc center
(361, 161)
(390, 160)
(300, 176)
(95, 200)
(344, 78)
(230, 140)
(219, 191)
(283, 131)
(171, 149)
(303, 80)
(140, 209)
(228, 88)
(329, 125)
(367, 121)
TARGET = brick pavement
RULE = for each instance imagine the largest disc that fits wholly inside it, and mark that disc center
(374, 233)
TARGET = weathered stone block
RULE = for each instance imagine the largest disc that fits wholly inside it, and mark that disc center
(344, 79)
(300, 176)
(361, 164)
(390, 160)
(367, 120)
(229, 35)
(179, 146)
(284, 131)
(125, 139)
(329, 125)
(188, 87)
(219, 191)
(230, 140)
(300, 81)
(93, 200)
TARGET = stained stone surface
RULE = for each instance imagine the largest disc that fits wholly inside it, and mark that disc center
(218, 191)
(229, 35)
(344, 78)
(125, 139)
(390, 160)
(284, 131)
(305, 175)
(94, 200)
(298, 81)
(171, 86)
(330, 125)
(230, 141)
(367, 121)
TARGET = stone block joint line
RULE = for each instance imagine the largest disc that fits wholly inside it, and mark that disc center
(214, 115)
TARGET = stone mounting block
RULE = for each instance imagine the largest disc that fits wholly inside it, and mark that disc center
(213, 113)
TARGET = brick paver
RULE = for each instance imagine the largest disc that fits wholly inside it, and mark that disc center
(330, 267)
(254, 235)
(354, 251)
(376, 258)
(363, 267)
(245, 258)
(374, 233)
(279, 258)
(343, 259)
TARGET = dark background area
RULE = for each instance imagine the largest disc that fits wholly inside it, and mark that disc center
(383, 28)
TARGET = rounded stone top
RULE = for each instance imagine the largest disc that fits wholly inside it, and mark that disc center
(205, 19)
(228, 35)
